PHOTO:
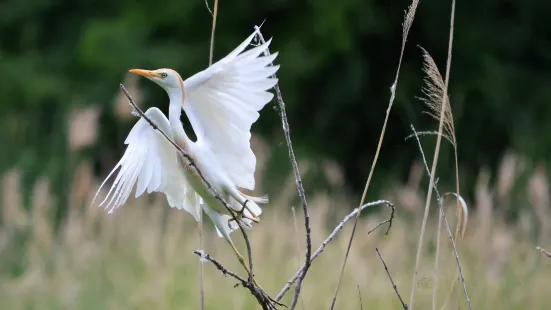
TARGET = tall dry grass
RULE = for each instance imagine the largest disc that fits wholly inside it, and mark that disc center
(141, 256)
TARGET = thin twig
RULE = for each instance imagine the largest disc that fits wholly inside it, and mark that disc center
(443, 217)
(201, 269)
(332, 236)
(408, 20)
(404, 305)
(360, 296)
(220, 267)
(298, 243)
(191, 163)
(300, 189)
(544, 252)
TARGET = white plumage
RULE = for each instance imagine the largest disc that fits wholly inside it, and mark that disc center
(221, 102)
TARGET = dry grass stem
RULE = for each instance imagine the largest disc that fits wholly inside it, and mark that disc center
(408, 21)
(437, 99)
(435, 158)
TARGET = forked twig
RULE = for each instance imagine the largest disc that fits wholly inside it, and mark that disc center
(404, 305)
(332, 236)
(191, 163)
(300, 189)
(408, 21)
(265, 300)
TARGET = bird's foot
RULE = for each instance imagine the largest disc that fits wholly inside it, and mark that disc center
(241, 213)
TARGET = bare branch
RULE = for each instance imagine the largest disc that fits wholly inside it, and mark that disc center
(404, 305)
(544, 252)
(408, 21)
(263, 299)
(332, 236)
(300, 189)
(219, 266)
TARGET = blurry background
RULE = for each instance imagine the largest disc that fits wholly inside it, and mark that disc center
(63, 124)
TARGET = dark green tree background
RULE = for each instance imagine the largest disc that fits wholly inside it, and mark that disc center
(338, 60)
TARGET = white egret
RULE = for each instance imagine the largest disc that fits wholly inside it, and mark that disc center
(221, 102)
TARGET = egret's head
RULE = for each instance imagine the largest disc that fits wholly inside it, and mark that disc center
(166, 78)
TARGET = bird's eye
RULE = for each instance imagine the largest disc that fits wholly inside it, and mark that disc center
(163, 75)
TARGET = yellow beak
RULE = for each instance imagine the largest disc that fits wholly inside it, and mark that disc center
(146, 73)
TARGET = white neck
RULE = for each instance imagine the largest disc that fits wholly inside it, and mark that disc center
(174, 113)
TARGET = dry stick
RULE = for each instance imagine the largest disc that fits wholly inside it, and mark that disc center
(435, 157)
(298, 244)
(404, 305)
(544, 252)
(266, 300)
(220, 267)
(332, 236)
(298, 179)
(254, 289)
(201, 269)
(408, 20)
(360, 296)
(443, 217)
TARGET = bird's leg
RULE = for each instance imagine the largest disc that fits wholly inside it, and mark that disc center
(242, 211)
(239, 257)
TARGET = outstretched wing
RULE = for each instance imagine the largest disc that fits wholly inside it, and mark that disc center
(150, 162)
(223, 102)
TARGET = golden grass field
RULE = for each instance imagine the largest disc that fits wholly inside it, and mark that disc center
(141, 256)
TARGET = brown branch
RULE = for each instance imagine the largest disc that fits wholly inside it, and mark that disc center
(544, 252)
(404, 305)
(191, 163)
(332, 236)
(300, 189)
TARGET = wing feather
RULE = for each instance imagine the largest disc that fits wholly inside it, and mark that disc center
(223, 102)
(150, 163)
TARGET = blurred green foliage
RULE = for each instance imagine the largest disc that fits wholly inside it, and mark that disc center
(338, 60)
